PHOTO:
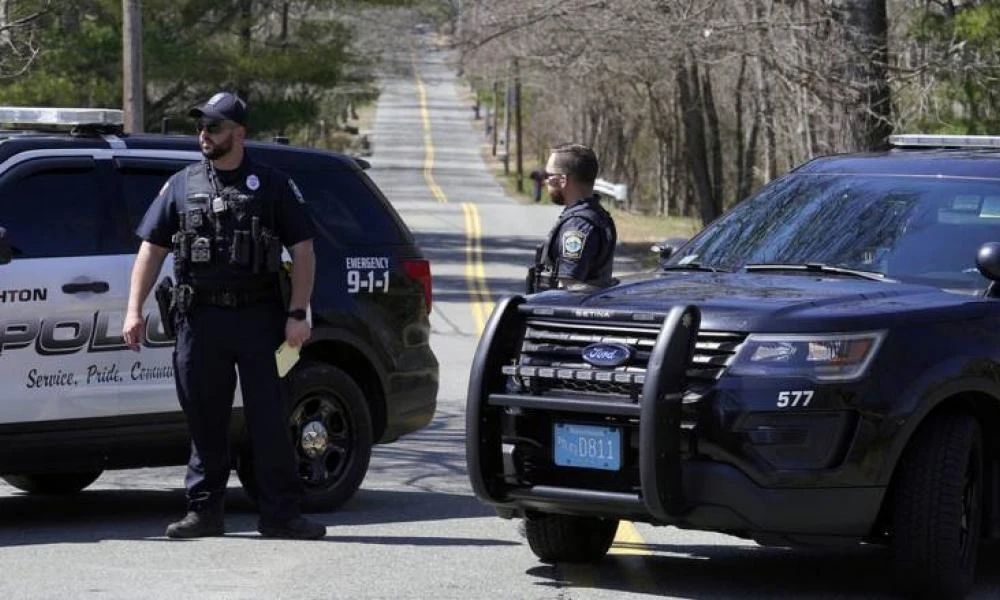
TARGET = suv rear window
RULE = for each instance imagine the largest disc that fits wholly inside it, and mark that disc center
(343, 204)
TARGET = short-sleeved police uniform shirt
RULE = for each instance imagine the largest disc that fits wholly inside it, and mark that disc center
(291, 219)
(582, 243)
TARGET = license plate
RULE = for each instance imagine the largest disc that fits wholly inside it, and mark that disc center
(587, 446)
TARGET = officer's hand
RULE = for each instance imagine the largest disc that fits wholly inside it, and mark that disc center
(296, 332)
(132, 330)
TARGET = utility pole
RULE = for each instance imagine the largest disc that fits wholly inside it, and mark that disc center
(132, 92)
(487, 120)
(508, 93)
(517, 127)
(475, 90)
(246, 37)
(496, 114)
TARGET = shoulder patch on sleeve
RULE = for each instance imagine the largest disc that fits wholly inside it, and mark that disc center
(572, 243)
(295, 190)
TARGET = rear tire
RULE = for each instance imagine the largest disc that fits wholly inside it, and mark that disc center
(53, 483)
(331, 430)
(566, 538)
(938, 508)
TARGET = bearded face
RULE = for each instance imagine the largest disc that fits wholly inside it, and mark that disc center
(214, 149)
(557, 196)
(215, 139)
(556, 182)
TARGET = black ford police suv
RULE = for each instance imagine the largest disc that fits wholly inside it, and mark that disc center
(75, 401)
(821, 364)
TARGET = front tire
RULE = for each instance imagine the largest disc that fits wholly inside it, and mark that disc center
(331, 430)
(566, 538)
(938, 508)
(53, 483)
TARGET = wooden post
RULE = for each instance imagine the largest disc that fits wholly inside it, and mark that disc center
(132, 92)
(517, 128)
(506, 127)
(496, 113)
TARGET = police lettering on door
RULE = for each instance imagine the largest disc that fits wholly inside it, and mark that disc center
(367, 274)
(67, 335)
(70, 349)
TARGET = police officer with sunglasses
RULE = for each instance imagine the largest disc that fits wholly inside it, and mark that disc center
(226, 220)
(580, 248)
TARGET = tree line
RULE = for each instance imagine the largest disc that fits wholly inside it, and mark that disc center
(695, 103)
(302, 64)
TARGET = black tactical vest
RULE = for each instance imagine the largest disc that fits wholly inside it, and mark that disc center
(595, 214)
(227, 239)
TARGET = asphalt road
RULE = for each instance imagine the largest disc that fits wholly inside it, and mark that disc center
(414, 530)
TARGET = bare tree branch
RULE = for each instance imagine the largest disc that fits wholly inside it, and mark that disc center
(18, 28)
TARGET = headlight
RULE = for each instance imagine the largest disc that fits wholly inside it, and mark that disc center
(828, 357)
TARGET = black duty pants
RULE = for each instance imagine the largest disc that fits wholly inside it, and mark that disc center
(212, 342)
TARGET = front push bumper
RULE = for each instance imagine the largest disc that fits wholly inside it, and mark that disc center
(689, 493)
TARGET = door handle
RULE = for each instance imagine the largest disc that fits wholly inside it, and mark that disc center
(97, 287)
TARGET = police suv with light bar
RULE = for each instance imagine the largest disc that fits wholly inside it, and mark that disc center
(819, 365)
(75, 401)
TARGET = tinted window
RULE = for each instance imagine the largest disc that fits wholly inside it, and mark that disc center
(345, 208)
(917, 229)
(60, 212)
(141, 182)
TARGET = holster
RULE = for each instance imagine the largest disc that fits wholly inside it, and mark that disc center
(285, 286)
(164, 295)
(533, 281)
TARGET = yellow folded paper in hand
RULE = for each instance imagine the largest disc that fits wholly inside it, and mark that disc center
(286, 357)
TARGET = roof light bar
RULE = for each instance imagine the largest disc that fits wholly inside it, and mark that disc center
(17, 115)
(919, 140)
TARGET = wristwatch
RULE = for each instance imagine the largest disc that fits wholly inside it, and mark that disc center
(299, 314)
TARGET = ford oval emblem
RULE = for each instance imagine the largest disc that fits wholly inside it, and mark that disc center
(607, 355)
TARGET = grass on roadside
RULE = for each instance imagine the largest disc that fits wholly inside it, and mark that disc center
(366, 118)
(636, 233)
(336, 137)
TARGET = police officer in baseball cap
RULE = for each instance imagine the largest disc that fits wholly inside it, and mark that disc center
(226, 220)
(224, 106)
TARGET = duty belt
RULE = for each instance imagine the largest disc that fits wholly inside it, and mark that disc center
(233, 299)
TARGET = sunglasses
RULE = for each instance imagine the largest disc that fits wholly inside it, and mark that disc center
(210, 127)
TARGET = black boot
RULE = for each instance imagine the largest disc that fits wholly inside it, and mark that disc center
(197, 524)
(299, 528)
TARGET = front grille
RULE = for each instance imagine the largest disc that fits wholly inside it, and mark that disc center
(550, 358)
(713, 353)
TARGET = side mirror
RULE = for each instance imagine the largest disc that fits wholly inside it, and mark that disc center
(667, 247)
(988, 260)
(6, 252)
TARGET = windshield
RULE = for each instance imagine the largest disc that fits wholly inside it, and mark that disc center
(912, 229)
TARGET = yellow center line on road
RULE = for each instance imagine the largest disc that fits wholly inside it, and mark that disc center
(480, 299)
(628, 555)
(630, 549)
(425, 116)
(628, 541)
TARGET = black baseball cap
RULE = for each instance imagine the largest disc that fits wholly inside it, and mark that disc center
(223, 106)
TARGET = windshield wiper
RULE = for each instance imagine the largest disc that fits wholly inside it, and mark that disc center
(821, 268)
(693, 266)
